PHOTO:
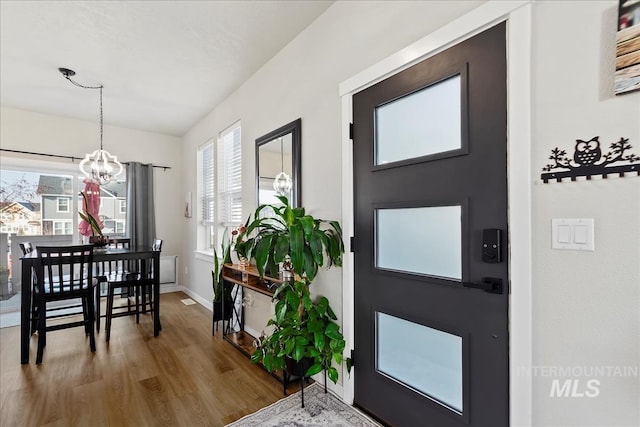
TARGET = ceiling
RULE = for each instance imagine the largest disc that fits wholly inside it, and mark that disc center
(164, 64)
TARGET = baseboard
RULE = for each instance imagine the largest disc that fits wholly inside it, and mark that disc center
(166, 288)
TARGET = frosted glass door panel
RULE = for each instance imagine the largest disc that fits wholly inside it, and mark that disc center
(420, 240)
(425, 122)
(423, 359)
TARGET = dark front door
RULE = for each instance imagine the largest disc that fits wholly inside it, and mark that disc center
(431, 276)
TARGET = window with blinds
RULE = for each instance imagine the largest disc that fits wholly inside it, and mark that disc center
(220, 186)
(207, 185)
(229, 177)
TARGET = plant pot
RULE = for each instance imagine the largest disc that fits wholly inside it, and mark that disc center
(99, 241)
(217, 310)
(297, 369)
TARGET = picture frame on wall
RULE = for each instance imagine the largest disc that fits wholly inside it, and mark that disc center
(627, 77)
(187, 205)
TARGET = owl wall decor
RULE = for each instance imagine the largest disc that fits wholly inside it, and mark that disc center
(588, 160)
(587, 152)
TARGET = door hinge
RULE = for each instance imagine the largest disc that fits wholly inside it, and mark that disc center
(352, 242)
(353, 358)
(351, 131)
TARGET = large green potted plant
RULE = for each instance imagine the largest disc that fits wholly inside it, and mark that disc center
(304, 329)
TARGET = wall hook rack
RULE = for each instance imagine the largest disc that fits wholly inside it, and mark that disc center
(588, 160)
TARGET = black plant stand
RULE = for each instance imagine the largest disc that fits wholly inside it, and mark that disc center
(301, 368)
(223, 309)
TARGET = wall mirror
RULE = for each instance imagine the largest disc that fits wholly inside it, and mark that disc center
(278, 158)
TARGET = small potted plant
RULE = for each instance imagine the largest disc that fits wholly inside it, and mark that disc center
(305, 330)
(92, 224)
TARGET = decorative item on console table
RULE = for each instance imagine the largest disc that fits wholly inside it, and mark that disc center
(303, 328)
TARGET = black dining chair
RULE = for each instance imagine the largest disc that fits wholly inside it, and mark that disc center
(105, 268)
(64, 273)
(26, 248)
(148, 291)
(139, 275)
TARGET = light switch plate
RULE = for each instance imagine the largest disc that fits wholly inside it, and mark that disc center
(573, 234)
(564, 234)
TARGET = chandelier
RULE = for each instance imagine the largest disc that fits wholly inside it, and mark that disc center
(99, 165)
(282, 183)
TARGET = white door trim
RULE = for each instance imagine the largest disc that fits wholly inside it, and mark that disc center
(517, 14)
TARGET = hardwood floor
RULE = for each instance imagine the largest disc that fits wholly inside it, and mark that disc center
(184, 377)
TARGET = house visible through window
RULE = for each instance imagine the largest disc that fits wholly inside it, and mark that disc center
(113, 207)
(220, 186)
(112, 226)
(37, 203)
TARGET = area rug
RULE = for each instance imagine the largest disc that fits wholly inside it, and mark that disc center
(320, 409)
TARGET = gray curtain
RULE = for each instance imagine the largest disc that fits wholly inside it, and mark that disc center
(141, 215)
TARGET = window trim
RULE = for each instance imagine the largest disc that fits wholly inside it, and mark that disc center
(63, 223)
(58, 200)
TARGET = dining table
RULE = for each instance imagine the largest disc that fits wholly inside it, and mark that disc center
(30, 262)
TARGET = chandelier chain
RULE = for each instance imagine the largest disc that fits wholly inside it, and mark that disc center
(81, 85)
(100, 166)
(75, 83)
(281, 155)
(101, 116)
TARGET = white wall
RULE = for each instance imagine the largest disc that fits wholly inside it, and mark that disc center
(302, 81)
(28, 131)
(586, 305)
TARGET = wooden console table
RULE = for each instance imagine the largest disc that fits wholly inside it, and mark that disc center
(247, 277)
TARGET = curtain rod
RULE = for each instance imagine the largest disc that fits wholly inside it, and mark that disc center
(72, 158)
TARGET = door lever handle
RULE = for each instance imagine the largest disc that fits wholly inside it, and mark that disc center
(488, 284)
